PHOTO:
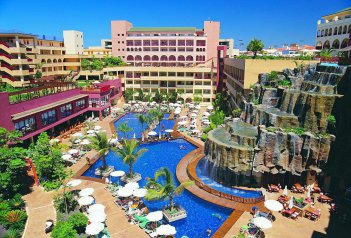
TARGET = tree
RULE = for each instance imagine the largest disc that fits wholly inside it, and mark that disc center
(300, 66)
(166, 190)
(217, 117)
(141, 95)
(142, 119)
(236, 112)
(197, 98)
(7, 138)
(38, 74)
(128, 94)
(129, 153)
(158, 97)
(100, 143)
(255, 46)
(64, 230)
(173, 96)
(158, 115)
(124, 128)
(48, 162)
(326, 53)
(79, 221)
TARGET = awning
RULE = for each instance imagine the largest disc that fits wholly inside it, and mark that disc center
(46, 107)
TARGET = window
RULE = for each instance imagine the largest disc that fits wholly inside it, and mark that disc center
(117, 34)
(26, 126)
(122, 34)
(104, 100)
(66, 110)
(48, 117)
(80, 104)
(93, 102)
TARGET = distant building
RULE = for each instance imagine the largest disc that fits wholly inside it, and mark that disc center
(73, 41)
(106, 43)
(334, 30)
(229, 43)
(164, 46)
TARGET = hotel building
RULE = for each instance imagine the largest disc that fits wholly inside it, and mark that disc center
(21, 55)
(164, 46)
(54, 106)
(333, 32)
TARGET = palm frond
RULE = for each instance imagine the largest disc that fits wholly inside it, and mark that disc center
(182, 186)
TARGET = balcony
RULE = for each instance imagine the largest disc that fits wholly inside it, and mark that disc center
(96, 90)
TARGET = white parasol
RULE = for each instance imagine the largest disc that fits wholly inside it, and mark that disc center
(97, 217)
(96, 208)
(182, 123)
(285, 191)
(94, 228)
(132, 185)
(66, 157)
(86, 192)
(85, 142)
(90, 131)
(154, 216)
(169, 130)
(152, 133)
(273, 205)
(166, 230)
(206, 114)
(73, 151)
(125, 192)
(262, 222)
(74, 183)
(86, 200)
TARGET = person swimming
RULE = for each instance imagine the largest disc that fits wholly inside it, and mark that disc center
(182, 147)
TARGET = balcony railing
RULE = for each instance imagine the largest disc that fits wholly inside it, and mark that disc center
(6, 55)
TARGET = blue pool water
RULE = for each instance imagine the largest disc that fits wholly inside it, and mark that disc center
(134, 123)
(200, 214)
(202, 173)
(329, 64)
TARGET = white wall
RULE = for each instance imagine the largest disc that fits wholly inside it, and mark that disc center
(73, 41)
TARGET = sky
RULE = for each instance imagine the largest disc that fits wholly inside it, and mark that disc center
(275, 22)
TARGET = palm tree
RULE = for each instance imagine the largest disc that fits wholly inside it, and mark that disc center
(129, 152)
(157, 114)
(326, 53)
(142, 119)
(100, 143)
(255, 46)
(124, 128)
(299, 66)
(157, 191)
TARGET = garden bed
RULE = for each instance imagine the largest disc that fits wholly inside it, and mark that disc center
(174, 215)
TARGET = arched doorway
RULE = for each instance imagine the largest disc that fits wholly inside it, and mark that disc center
(326, 45)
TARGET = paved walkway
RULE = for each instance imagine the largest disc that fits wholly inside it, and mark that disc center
(39, 207)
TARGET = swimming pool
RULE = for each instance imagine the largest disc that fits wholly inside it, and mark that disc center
(200, 214)
(134, 123)
(202, 173)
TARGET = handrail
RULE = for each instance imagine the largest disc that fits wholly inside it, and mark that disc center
(192, 165)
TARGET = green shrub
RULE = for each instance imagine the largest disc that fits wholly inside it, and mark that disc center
(203, 137)
(51, 185)
(331, 120)
(17, 202)
(297, 130)
(271, 129)
(79, 221)
(4, 209)
(12, 233)
(284, 83)
(64, 230)
(14, 219)
(255, 101)
(236, 112)
(60, 205)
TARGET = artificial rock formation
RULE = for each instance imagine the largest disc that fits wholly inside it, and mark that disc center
(283, 129)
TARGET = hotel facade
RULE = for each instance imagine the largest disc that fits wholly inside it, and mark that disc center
(164, 46)
(333, 31)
